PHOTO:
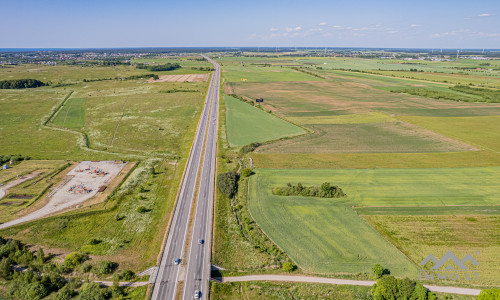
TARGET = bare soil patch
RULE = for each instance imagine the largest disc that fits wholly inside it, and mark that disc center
(182, 78)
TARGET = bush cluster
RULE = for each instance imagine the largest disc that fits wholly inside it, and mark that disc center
(326, 190)
(33, 276)
(390, 287)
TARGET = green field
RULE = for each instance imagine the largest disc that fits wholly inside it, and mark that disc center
(249, 74)
(418, 236)
(72, 114)
(247, 124)
(373, 137)
(321, 235)
(326, 235)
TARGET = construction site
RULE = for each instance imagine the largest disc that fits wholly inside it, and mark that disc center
(80, 184)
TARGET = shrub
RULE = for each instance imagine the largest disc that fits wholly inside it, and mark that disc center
(94, 242)
(104, 267)
(289, 267)
(91, 291)
(246, 172)
(64, 294)
(378, 270)
(6, 268)
(127, 275)
(74, 259)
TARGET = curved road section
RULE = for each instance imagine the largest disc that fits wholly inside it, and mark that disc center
(168, 274)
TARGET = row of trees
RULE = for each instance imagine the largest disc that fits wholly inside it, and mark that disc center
(7, 158)
(157, 68)
(21, 84)
(326, 190)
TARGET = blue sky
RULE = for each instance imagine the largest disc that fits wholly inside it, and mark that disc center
(309, 23)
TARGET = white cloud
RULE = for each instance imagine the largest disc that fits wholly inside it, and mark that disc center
(322, 24)
(253, 35)
(484, 15)
(273, 29)
(414, 25)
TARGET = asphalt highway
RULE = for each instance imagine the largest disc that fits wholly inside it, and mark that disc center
(168, 274)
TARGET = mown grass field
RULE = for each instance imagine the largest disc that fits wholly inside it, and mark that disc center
(321, 235)
(246, 124)
(72, 114)
(419, 236)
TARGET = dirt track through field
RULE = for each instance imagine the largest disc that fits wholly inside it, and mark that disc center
(118, 124)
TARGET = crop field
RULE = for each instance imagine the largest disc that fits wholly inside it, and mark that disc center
(311, 230)
(247, 124)
(371, 137)
(321, 235)
(72, 114)
(402, 187)
(482, 132)
(419, 236)
(248, 74)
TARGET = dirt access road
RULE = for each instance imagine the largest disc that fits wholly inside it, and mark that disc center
(4, 188)
(311, 279)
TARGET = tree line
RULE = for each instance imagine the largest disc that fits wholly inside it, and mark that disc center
(21, 84)
(157, 68)
(326, 190)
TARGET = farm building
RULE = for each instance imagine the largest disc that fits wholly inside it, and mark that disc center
(259, 100)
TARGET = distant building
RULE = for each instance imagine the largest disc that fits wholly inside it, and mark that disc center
(259, 100)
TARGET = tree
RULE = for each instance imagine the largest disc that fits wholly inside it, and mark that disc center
(378, 270)
(6, 268)
(228, 183)
(104, 267)
(246, 172)
(289, 267)
(64, 294)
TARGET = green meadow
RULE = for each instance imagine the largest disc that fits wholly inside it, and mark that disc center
(72, 114)
(246, 124)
